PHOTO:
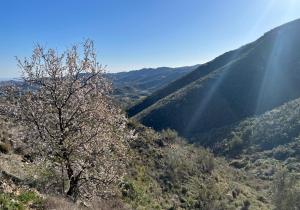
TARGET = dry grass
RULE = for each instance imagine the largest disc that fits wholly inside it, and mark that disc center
(55, 203)
(13, 164)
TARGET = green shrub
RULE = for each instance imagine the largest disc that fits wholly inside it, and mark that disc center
(141, 191)
(169, 134)
(235, 145)
(281, 153)
(246, 204)
(286, 192)
(208, 162)
(29, 196)
(133, 123)
(202, 196)
(9, 201)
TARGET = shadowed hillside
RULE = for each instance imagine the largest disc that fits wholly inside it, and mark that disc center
(201, 71)
(238, 84)
(276, 128)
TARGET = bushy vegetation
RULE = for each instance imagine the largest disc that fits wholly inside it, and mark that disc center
(273, 130)
(168, 173)
(86, 148)
(165, 172)
(286, 191)
(22, 201)
(5, 138)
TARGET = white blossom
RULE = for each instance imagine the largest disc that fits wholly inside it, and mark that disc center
(68, 118)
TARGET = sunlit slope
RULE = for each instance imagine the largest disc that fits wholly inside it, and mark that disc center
(247, 81)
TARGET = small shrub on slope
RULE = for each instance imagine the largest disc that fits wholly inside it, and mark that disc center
(286, 191)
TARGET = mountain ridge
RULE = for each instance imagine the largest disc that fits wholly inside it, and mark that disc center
(242, 85)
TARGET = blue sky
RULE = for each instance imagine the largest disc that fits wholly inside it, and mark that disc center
(132, 34)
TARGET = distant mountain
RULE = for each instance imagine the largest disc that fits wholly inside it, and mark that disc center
(239, 84)
(139, 83)
(132, 85)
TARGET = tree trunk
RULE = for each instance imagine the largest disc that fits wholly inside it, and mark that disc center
(73, 189)
(74, 181)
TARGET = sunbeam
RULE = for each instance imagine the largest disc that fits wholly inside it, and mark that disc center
(270, 75)
(262, 18)
(274, 76)
(211, 92)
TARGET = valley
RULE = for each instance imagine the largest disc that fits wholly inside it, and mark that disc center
(222, 135)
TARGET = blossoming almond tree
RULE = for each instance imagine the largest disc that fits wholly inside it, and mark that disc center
(68, 118)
